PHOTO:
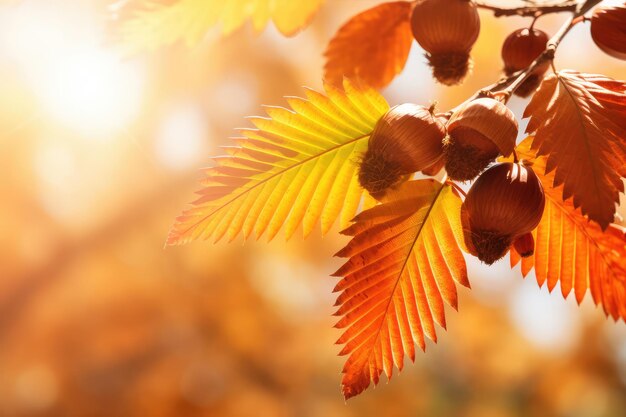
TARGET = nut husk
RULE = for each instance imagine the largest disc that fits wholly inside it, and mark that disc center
(519, 50)
(505, 202)
(478, 132)
(608, 30)
(447, 30)
(407, 139)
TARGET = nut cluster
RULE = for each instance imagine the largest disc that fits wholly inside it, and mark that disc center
(506, 201)
(410, 138)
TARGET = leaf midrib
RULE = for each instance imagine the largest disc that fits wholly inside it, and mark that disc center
(594, 169)
(406, 260)
(586, 136)
(266, 180)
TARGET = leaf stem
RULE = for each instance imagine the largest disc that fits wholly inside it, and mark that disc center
(456, 187)
(535, 18)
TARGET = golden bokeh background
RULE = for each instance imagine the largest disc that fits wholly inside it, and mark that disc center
(99, 152)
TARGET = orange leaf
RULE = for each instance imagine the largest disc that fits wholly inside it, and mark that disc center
(373, 46)
(404, 263)
(571, 249)
(580, 124)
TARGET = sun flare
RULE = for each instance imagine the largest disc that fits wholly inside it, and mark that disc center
(79, 82)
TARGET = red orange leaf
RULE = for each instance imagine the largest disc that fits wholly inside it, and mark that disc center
(372, 46)
(574, 251)
(404, 263)
(297, 167)
(579, 122)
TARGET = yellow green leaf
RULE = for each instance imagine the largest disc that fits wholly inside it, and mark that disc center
(148, 24)
(298, 166)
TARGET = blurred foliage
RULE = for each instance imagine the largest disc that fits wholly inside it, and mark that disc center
(97, 319)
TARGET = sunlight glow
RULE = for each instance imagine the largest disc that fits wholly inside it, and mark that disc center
(182, 137)
(91, 92)
(546, 320)
(61, 54)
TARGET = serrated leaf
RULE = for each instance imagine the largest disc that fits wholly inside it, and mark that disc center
(404, 262)
(574, 251)
(297, 167)
(372, 46)
(147, 24)
(579, 121)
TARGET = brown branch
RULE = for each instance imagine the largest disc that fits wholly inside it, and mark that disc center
(553, 44)
(531, 11)
(506, 86)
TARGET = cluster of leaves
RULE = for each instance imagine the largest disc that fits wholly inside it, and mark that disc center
(298, 167)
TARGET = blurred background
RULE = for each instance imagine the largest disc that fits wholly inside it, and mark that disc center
(99, 152)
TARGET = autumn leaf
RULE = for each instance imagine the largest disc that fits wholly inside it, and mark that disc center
(152, 23)
(571, 249)
(579, 122)
(404, 262)
(373, 46)
(297, 166)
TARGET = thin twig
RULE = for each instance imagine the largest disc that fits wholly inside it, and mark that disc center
(553, 44)
(531, 11)
(513, 82)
